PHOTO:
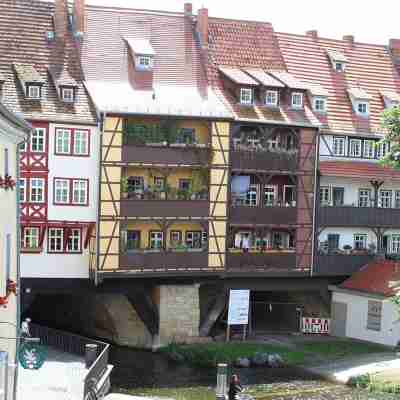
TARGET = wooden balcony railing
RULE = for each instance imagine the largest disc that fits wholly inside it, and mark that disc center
(272, 215)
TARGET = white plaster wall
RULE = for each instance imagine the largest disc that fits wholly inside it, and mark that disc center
(351, 187)
(356, 325)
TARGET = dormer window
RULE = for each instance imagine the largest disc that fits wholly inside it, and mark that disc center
(360, 101)
(339, 67)
(144, 63)
(67, 95)
(34, 92)
(271, 98)
(338, 60)
(362, 108)
(391, 98)
(246, 96)
(297, 100)
(319, 104)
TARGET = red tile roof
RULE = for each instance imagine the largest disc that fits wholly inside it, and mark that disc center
(358, 169)
(378, 277)
(23, 28)
(369, 67)
(249, 45)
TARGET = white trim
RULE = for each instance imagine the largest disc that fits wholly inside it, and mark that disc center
(294, 96)
(244, 91)
(275, 95)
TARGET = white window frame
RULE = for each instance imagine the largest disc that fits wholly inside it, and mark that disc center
(360, 238)
(319, 101)
(395, 244)
(41, 187)
(271, 95)
(34, 92)
(364, 197)
(365, 104)
(63, 137)
(270, 193)
(83, 138)
(252, 196)
(385, 198)
(341, 68)
(295, 104)
(397, 199)
(369, 149)
(342, 145)
(31, 235)
(55, 234)
(22, 190)
(356, 142)
(75, 234)
(62, 191)
(156, 237)
(246, 96)
(77, 197)
(191, 237)
(36, 135)
(323, 191)
(145, 62)
(68, 94)
(293, 187)
(382, 149)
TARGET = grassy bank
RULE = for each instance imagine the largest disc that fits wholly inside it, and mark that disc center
(208, 355)
(375, 384)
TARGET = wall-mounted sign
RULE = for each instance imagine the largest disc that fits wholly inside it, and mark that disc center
(316, 325)
(238, 313)
(32, 355)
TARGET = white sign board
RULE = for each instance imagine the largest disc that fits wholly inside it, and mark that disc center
(238, 313)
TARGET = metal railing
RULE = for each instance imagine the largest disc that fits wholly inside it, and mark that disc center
(76, 344)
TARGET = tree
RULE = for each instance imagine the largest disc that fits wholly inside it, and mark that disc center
(391, 126)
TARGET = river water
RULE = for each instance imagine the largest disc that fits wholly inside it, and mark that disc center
(135, 369)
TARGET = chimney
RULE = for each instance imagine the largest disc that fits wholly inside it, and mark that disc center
(394, 48)
(202, 25)
(188, 9)
(79, 16)
(61, 19)
(313, 34)
(349, 39)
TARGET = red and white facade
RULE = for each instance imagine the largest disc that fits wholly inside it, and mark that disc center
(58, 200)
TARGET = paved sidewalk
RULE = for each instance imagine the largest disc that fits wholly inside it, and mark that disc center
(60, 378)
(342, 371)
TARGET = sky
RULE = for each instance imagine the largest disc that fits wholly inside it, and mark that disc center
(371, 21)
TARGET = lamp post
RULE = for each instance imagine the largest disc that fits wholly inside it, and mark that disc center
(222, 381)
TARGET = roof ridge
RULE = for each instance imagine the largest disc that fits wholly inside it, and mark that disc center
(240, 20)
(136, 10)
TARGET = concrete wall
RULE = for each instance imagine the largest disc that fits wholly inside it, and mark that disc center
(356, 326)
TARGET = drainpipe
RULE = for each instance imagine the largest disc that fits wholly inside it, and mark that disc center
(315, 203)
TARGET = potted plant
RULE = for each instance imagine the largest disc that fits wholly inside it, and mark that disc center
(124, 187)
(347, 249)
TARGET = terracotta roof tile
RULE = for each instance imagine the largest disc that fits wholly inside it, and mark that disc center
(23, 28)
(368, 66)
(140, 46)
(359, 93)
(316, 90)
(288, 80)
(337, 56)
(378, 277)
(358, 170)
(264, 78)
(238, 76)
(391, 95)
(27, 73)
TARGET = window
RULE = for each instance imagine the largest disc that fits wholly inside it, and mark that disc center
(30, 238)
(385, 198)
(297, 100)
(79, 191)
(271, 98)
(175, 238)
(185, 184)
(34, 91)
(397, 199)
(246, 96)
(382, 149)
(369, 148)
(67, 95)
(364, 197)
(74, 241)
(319, 104)
(395, 244)
(253, 142)
(269, 195)
(289, 194)
(355, 148)
(156, 239)
(63, 141)
(374, 316)
(339, 146)
(362, 108)
(337, 196)
(159, 182)
(144, 62)
(135, 184)
(132, 240)
(339, 67)
(252, 196)
(333, 241)
(187, 136)
(22, 146)
(272, 143)
(324, 196)
(37, 190)
(360, 241)
(193, 239)
(81, 143)
(61, 191)
(38, 136)
(56, 240)
(22, 190)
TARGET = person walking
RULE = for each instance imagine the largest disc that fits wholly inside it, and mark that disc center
(234, 388)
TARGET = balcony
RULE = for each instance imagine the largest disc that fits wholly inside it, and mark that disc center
(273, 215)
(247, 158)
(278, 262)
(350, 216)
(339, 264)
(159, 261)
